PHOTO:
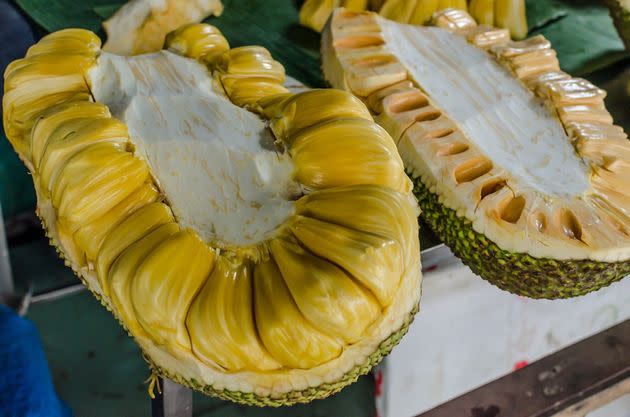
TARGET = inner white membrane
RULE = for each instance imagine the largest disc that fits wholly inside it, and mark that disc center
(215, 162)
(492, 108)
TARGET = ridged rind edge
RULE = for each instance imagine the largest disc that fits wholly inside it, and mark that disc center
(518, 273)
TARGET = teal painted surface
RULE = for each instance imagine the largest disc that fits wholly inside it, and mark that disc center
(16, 187)
(36, 263)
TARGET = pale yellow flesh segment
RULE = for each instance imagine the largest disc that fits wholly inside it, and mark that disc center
(347, 152)
(57, 116)
(197, 41)
(45, 66)
(423, 11)
(165, 285)
(293, 112)
(91, 236)
(315, 13)
(376, 210)
(284, 331)
(253, 61)
(324, 293)
(398, 10)
(247, 92)
(24, 104)
(128, 231)
(511, 14)
(221, 321)
(67, 41)
(73, 136)
(375, 262)
(123, 271)
(83, 193)
(483, 11)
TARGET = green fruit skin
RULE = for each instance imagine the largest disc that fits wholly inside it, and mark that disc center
(621, 18)
(518, 273)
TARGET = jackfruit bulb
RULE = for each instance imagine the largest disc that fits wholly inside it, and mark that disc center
(517, 166)
(260, 245)
(508, 14)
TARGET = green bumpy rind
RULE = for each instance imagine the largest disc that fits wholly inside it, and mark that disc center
(518, 273)
(621, 19)
(247, 398)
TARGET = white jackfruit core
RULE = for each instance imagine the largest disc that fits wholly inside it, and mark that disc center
(492, 108)
(215, 162)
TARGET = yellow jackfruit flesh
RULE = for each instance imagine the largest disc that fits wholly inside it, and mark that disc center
(509, 14)
(172, 274)
(123, 271)
(259, 244)
(285, 332)
(221, 321)
(128, 231)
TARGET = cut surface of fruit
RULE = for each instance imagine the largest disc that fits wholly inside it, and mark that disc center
(243, 185)
(511, 147)
(190, 190)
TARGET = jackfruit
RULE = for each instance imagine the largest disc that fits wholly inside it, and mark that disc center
(260, 245)
(517, 166)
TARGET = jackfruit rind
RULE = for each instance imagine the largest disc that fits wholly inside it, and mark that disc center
(167, 140)
(523, 151)
(520, 273)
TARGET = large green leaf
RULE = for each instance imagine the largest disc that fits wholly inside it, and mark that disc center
(580, 31)
(58, 14)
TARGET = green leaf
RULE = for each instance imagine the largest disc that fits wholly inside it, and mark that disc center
(107, 10)
(581, 32)
(541, 13)
(59, 14)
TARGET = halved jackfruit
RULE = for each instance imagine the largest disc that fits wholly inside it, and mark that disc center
(267, 254)
(517, 166)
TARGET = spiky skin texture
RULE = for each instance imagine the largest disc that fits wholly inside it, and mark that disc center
(249, 398)
(621, 19)
(518, 273)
